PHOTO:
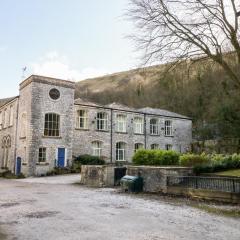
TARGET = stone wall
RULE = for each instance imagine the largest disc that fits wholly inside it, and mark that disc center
(155, 178)
(83, 138)
(97, 175)
(8, 133)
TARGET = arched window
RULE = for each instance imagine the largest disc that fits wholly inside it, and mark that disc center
(153, 126)
(102, 121)
(121, 123)
(138, 125)
(23, 126)
(154, 146)
(120, 151)
(97, 148)
(138, 146)
(52, 125)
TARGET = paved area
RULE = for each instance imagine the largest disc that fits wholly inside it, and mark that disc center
(53, 208)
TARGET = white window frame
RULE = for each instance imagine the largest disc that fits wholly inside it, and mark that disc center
(154, 128)
(121, 151)
(1, 120)
(154, 146)
(102, 122)
(52, 127)
(138, 125)
(82, 119)
(168, 127)
(138, 146)
(168, 147)
(11, 114)
(97, 147)
(121, 123)
(6, 118)
(43, 157)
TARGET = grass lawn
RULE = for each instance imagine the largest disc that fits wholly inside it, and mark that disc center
(229, 173)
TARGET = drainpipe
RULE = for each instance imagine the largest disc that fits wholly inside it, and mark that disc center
(145, 131)
(16, 137)
(111, 137)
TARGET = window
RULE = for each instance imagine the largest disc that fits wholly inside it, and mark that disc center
(82, 119)
(6, 118)
(138, 146)
(153, 126)
(42, 155)
(120, 151)
(121, 123)
(11, 116)
(102, 121)
(54, 94)
(168, 128)
(23, 125)
(51, 127)
(138, 125)
(97, 148)
(154, 146)
(168, 146)
(1, 120)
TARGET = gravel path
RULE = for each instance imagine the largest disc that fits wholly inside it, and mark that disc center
(48, 208)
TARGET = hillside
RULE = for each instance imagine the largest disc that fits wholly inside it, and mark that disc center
(201, 91)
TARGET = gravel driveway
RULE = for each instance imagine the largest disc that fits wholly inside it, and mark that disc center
(54, 209)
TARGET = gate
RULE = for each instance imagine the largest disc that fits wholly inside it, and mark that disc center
(119, 172)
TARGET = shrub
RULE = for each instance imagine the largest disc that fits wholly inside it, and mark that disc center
(155, 157)
(192, 160)
(218, 163)
(89, 160)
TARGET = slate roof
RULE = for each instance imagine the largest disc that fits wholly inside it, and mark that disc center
(161, 112)
(6, 100)
(148, 110)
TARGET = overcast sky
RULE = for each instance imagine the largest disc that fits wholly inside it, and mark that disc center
(69, 39)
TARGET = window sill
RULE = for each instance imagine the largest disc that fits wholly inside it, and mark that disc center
(82, 129)
(169, 136)
(154, 135)
(121, 132)
(99, 130)
(42, 164)
(22, 138)
(24, 164)
(139, 134)
(59, 137)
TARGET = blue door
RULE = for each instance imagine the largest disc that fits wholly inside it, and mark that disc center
(18, 166)
(61, 157)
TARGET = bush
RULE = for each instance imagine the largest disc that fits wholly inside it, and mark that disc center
(155, 157)
(192, 160)
(89, 160)
(219, 162)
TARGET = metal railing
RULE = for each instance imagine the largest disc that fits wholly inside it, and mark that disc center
(223, 184)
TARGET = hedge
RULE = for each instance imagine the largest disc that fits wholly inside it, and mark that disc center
(89, 160)
(191, 160)
(155, 157)
(218, 163)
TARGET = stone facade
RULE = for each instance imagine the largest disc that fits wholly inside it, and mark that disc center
(43, 128)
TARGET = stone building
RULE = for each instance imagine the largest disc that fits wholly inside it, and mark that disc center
(45, 127)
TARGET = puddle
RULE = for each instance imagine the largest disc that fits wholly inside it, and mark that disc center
(43, 214)
(7, 205)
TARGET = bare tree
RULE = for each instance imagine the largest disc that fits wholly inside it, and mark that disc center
(174, 30)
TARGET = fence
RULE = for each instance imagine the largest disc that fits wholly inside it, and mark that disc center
(212, 183)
